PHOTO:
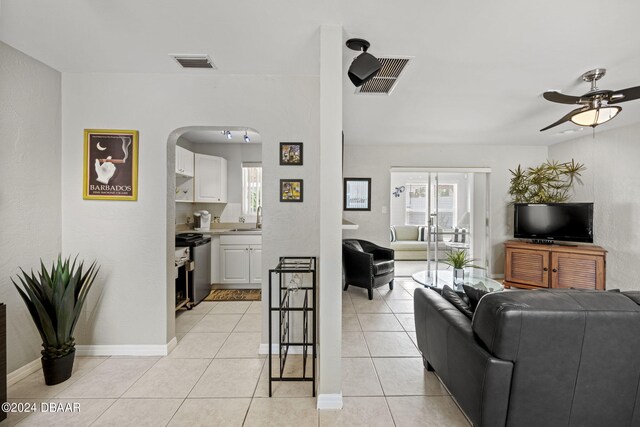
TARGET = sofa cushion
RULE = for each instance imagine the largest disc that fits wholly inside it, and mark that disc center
(451, 296)
(633, 295)
(353, 244)
(382, 266)
(474, 295)
(406, 232)
(408, 245)
(506, 321)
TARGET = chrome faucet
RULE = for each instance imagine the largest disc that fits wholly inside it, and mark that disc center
(259, 217)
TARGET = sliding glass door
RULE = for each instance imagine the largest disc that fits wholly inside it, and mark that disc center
(448, 212)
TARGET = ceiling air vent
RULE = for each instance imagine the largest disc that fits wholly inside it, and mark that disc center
(194, 61)
(385, 81)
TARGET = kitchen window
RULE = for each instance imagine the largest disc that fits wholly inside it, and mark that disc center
(251, 188)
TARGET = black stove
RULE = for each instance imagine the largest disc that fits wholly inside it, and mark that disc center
(186, 238)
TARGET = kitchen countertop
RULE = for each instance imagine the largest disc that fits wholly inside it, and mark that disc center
(222, 231)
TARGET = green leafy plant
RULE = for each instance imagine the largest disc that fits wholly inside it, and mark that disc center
(55, 299)
(459, 259)
(549, 182)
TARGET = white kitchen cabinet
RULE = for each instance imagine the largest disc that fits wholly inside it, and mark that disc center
(234, 264)
(184, 162)
(240, 259)
(210, 184)
(255, 264)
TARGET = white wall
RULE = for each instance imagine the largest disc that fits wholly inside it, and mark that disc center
(30, 193)
(130, 239)
(612, 183)
(376, 161)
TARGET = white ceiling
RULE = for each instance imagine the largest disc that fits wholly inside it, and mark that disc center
(478, 74)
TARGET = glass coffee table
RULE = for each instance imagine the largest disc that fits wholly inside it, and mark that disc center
(436, 279)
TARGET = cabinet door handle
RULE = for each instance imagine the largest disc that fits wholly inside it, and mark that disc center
(555, 270)
(545, 269)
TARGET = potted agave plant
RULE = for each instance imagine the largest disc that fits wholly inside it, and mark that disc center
(54, 299)
(459, 260)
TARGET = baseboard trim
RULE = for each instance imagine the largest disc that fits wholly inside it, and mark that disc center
(23, 372)
(264, 349)
(330, 401)
(171, 345)
(126, 350)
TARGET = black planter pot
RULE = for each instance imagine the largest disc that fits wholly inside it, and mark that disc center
(58, 370)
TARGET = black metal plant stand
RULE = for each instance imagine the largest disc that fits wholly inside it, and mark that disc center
(286, 304)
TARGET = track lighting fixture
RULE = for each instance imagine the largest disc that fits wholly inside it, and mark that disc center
(365, 66)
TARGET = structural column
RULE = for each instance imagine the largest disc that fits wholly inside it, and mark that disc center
(330, 288)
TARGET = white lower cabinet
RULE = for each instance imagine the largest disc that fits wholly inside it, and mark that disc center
(234, 264)
(255, 264)
(240, 259)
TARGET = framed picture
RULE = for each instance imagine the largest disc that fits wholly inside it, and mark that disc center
(291, 190)
(291, 153)
(110, 164)
(357, 194)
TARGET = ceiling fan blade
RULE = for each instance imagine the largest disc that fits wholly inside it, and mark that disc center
(625, 95)
(566, 118)
(561, 98)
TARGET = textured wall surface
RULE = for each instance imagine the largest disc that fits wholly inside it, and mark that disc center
(132, 240)
(612, 183)
(30, 193)
(375, 162)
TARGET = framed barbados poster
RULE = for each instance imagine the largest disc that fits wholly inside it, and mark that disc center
(110, 164)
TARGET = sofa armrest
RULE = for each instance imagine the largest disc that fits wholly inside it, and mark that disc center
(480, 383)
(358, 266)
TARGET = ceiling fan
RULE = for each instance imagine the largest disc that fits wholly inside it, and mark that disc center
(596, 105)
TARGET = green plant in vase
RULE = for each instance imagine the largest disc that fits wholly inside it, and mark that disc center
(55, 299)
(459, 260)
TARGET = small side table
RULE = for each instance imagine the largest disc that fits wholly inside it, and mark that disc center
(290, 301)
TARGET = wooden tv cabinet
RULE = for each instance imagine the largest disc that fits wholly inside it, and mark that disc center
(536, 266)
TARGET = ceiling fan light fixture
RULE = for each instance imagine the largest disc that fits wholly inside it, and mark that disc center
(595, 116)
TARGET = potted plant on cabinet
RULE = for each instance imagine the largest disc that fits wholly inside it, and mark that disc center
(459, 260)
(55, 299)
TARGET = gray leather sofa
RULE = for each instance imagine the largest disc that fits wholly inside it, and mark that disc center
(537, 358)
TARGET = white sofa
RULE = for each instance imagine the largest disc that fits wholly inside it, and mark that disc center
(411, 243)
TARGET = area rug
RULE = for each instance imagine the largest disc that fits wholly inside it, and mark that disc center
(234, 295)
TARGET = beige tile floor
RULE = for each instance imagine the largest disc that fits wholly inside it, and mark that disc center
(215, 376)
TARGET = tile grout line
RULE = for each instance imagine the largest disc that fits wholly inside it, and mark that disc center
(253, 396)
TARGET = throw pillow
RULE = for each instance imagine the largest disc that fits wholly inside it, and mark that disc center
(393, 234)
(451, 296)
(422, 234)
(474, 295)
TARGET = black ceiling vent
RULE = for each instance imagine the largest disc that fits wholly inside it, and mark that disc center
(194, 61)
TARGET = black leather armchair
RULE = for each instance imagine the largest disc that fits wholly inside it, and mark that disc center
(537, 358)
(366, 265)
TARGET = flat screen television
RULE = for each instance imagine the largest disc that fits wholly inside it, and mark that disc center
(572, 222)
